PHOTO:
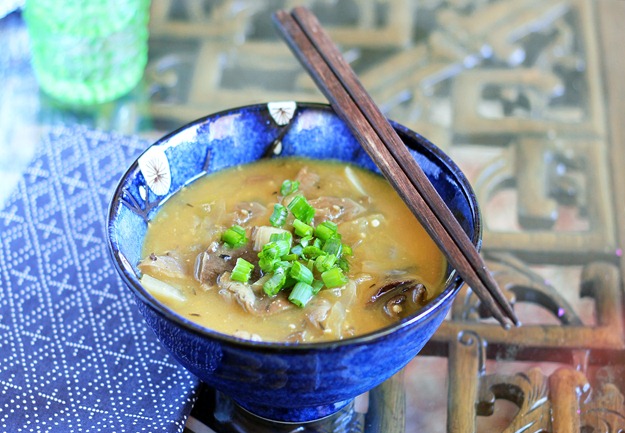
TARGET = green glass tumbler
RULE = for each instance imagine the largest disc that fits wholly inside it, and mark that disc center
(88, 51)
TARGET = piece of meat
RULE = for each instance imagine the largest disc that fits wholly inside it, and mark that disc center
(336, 209)
(308, 181)
(217, 259)
(248, 211)
(268, 306)
(243, 293)
(169, 265)
(318, 313)
(240, 292)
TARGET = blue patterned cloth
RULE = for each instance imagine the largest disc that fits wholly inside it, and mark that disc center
(75, 355)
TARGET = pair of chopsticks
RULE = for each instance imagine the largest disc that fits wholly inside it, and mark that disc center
(335, 78)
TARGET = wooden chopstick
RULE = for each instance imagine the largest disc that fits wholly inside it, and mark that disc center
(332, 56)
(335, 78)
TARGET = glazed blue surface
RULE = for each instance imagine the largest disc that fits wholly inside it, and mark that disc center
(285, 382)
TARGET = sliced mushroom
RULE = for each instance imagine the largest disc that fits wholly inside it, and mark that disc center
(399, 298)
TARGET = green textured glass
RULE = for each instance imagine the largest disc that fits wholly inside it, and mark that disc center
(88, 51)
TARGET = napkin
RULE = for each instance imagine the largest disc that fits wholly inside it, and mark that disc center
(75, 355)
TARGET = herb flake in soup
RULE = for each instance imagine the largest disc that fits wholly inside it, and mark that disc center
(291, 249)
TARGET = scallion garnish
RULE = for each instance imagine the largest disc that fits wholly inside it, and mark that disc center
(325, 262)
(310, 264)
(301, 273)
(282, 236)
(268, 257)
(288, 187)
(301, 209)
(317, 285)
(284, 247)
(326, 230)
(234, 237)
(343, 264)
(242, 271)
(305, 240)
(289, 262)
(333, 246)
(273, 285)
(301, 228)
(297, 249)
(334, 278)
(278, 217)
(312, 252)
(301, 294)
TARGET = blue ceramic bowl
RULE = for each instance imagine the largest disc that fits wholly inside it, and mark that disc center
(278, 381)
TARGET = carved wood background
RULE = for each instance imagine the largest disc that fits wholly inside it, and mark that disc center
(525, 96)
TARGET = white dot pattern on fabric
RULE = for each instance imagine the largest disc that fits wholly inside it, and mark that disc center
(75, 354)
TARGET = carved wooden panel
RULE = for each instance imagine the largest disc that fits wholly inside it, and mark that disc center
(527, 96)
(566, 400)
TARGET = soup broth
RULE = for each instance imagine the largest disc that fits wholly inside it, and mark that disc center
(393, 268)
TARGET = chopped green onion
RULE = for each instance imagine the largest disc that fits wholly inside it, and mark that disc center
(301, 273)
(275, 249)
(312, 252)
(301, 209)
(267, 264)
(325, 230)
(319, 250)
(234, 237)
(310, 264)
(268, 257)
(289, 186)
(282, 236)
(325, 262)
(242, 271)
(269, 250)
(334, 278)
(290, 257)
(290, 282)
(278, 217)
(275, 283)
(317, 285)
(306, 240)
(333, 246)
(301, 294)
(284, 264)
(283, 247)
(301, 228)
(343, 264)
(297, 249)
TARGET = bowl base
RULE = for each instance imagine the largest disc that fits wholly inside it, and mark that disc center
(273, 414)
(223, 415)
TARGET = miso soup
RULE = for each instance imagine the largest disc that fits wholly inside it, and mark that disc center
(224, 253)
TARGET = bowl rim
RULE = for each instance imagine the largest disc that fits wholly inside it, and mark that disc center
(452, 284)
